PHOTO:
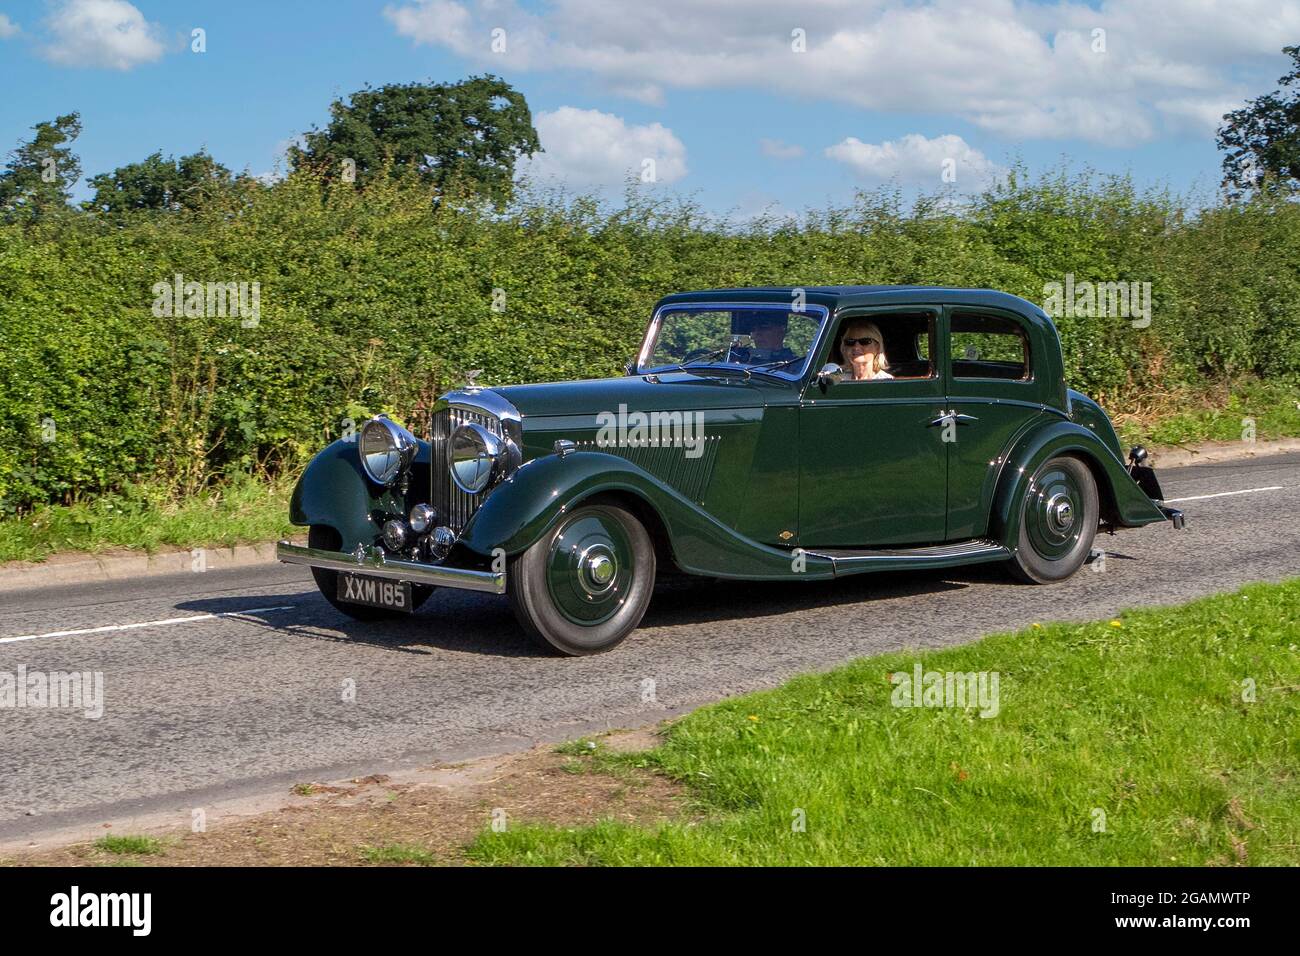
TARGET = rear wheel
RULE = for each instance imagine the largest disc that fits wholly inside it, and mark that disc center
(326, 538)
(1058, 522)
(585, 585)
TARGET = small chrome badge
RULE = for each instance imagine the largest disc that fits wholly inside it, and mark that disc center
(786, 535)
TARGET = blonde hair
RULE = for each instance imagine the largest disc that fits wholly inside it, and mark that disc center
(869, 326)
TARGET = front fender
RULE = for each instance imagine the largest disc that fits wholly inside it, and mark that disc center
(334, 491)
(1131, 507)
(522, 509)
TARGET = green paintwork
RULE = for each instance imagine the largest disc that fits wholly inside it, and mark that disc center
(789, 464)
(872, 471)
(1089, 414)
(334, 491)
(538, 495)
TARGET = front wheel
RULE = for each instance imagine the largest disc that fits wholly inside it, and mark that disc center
(584, 586)
(1058, 522)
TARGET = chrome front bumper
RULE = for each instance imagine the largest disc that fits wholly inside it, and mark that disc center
(375, 563)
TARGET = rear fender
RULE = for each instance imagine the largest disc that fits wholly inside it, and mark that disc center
(1130, 506)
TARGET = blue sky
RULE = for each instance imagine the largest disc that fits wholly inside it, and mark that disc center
(719, 95)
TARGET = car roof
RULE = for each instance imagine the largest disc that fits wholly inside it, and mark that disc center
(848, 296)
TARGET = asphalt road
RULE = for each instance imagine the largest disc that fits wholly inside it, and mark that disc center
(249, 696)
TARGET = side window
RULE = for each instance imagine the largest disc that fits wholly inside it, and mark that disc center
(988, 346)
(882, 346)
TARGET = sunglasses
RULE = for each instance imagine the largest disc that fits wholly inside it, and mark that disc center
(864, 341)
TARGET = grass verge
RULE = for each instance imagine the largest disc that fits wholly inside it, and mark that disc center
(130, 845)
(1217, 414)
(1167, 736)
(398, 854)
(241, 512)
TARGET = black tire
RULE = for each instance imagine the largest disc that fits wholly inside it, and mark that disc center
(585, 584)
(1058, 522)
(323, 536)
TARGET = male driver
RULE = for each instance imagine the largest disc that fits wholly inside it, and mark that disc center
(767, 332)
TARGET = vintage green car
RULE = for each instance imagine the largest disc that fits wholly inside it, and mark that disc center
(759, 434)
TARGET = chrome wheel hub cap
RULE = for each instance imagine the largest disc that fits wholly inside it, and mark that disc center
(598, 569)
(1060, 513)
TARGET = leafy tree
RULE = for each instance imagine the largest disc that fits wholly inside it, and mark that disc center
(157, 183)
(471, 131)
(39, 174)
(1262, 139)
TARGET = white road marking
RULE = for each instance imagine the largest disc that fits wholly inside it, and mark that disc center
(108, 628)
(1224, 494)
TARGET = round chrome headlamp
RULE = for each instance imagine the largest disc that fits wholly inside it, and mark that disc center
(397, 534)
(386, 448)
(422, 518)
(478, 458)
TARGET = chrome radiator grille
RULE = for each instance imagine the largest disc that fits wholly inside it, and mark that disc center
(455, 508)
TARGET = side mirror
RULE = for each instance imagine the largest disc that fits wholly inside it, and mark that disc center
(629, 368)
(829, 375)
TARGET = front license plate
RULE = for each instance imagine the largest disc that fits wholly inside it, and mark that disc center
(375, 592)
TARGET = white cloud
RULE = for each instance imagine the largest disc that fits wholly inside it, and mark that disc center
(1202, 115)
(780, 150)
(107, 33)
(916, 159)
(7, 27)
(1019, 68)
(432, 21)
(591, 148)
(651, 94)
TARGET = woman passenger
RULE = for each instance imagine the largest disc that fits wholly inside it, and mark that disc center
(862, 352)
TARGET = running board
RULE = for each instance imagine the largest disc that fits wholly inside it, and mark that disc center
(852, 560)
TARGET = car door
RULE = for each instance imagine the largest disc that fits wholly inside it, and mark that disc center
(993, 396)
(872, 466)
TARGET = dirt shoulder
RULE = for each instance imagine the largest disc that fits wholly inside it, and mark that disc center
(421, 817)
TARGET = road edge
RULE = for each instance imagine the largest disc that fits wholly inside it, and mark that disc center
(74, 568)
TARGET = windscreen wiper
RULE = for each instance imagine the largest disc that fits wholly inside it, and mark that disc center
(773, 366)
(702, 360)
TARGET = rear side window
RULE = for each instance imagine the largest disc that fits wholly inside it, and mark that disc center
(988, 346)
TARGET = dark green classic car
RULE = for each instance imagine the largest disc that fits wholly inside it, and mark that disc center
(759, 434)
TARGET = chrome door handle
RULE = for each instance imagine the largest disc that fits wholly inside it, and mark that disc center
(952, 416)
